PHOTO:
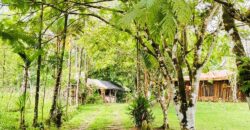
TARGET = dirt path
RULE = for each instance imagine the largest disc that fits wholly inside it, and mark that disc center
(117, 122)
(86, 123)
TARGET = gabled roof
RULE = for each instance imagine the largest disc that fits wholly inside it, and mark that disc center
(101, 84)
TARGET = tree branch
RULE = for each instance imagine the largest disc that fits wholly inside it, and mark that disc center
(198, 44)
(210, 50)
(235, 13)
(95, 2)
(98, 7)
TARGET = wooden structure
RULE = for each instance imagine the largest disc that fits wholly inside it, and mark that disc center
(106, 89)
(219, 85)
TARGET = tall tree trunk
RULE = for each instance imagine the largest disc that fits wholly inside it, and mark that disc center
(233, 83)
(138, 87)
(192, 99)
(23, 98)
(230, 27)
(181, 96)
(39, 62)
(185, 98)
(164, 105)
(44, 90)
(53, 111)
(146, 84)
(186, 109)
(79, 77)
(238, 48)
(85, 69)
(69, 84)
(76, 74)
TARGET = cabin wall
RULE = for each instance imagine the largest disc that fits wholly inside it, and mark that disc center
(216, 91)
(110, 96)
(222, 91)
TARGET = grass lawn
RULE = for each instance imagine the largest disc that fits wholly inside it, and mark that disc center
(209, 116)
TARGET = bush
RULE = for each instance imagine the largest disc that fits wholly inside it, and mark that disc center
(244, 75)
(140, 111)
(94, 99)
(124, 97)
(56, 118)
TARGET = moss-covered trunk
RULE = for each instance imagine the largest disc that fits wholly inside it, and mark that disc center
(55, 114)
(238, 50)
(164, 105)
(23, 98)
(39, 62)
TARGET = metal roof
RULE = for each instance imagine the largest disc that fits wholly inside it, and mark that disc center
(101, 84)
(216, 75)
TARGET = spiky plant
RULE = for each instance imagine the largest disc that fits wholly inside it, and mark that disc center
(140, 110)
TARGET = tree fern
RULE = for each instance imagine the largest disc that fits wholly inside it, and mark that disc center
(149, 61)
(182, 11)
(161, 16)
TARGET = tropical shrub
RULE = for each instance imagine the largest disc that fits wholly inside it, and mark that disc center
(94, 99)
(140, 111)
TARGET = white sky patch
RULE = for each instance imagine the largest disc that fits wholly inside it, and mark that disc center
(202, 6)
(213, 24)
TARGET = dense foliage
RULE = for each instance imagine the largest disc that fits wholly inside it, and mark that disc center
(244, 76)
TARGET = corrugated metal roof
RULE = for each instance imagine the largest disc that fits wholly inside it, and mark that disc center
(101, 84)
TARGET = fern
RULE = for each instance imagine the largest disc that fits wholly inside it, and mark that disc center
(168, 24)
(182, 11)
(160, 16)
(149, 61)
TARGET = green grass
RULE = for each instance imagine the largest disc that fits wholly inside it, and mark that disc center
(209, 116)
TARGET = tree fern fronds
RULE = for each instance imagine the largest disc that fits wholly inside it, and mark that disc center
(182, 11)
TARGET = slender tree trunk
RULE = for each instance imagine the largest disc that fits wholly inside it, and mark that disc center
(53, 111)
(23, 98)
(39, 62)
(85, 69)
(233, 83)
(85, 77)
(44, 90)
(164, 106)
(69, 84)
(145, 88)
(79, 77)
(76, 74)
(138, 68)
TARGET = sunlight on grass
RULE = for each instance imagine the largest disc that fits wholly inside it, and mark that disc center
(209, 116)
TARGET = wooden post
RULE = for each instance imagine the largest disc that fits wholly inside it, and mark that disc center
(248, 101)
(115, 95)
(110, 96)
(103, 94)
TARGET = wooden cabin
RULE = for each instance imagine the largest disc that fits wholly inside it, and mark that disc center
(106, 89)
(219, 85)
